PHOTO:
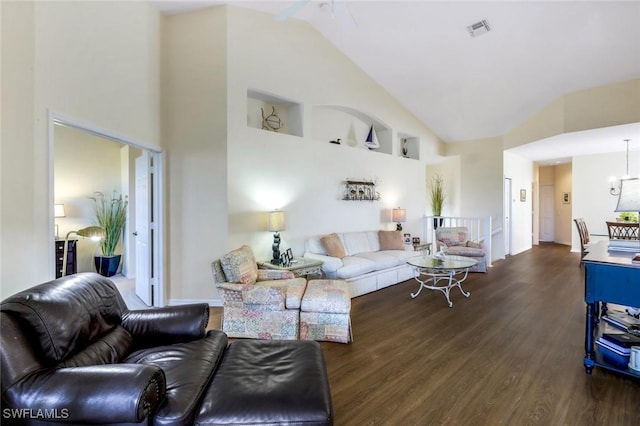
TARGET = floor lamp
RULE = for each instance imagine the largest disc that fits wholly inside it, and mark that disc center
(94, 232)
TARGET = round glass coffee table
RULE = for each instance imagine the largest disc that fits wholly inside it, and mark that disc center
(441, 268)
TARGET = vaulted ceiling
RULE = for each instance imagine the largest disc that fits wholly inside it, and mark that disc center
(464, 87)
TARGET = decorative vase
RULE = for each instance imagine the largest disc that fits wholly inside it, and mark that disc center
(107, 266)
(437, 222)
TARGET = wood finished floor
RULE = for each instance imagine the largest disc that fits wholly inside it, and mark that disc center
(511, 354)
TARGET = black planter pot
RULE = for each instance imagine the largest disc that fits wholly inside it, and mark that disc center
(436, 224)
(107, 266)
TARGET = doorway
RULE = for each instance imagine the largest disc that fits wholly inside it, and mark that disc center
(85, 159)
(547, 210)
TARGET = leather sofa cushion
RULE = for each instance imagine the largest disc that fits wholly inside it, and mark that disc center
(65, 316)
(109, 349)
(188, 368)
(269, 382)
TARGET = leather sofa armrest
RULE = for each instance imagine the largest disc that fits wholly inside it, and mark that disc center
(115, 393)
(166, 325)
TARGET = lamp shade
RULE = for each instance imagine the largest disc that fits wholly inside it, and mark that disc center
(276, 221)
(629, 198)
(93, 232)
(398, 215)
(58, 210)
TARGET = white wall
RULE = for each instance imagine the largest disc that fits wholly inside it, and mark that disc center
(95, 62)
(303, 175)
(194, 131)
(591, 198)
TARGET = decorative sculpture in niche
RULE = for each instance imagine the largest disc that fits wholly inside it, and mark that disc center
(271, 121)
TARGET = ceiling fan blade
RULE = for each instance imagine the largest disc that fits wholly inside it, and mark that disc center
(291, 10)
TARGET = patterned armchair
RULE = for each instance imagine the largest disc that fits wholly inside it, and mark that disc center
(257, 303)
(454, 241)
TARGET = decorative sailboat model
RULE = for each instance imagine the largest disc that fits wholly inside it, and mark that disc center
(372, 139)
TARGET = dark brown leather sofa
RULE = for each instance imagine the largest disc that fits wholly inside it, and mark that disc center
(73, 353)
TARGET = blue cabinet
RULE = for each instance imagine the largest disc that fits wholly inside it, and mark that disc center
(610, 277)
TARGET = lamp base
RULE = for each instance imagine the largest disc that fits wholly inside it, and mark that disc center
(275, 248)
(399, 227)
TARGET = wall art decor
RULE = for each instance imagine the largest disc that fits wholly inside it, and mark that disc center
(360, 190)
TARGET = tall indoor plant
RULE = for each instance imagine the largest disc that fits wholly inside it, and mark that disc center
(111, 215)
(437, 197)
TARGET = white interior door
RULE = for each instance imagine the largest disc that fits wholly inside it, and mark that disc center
(547, 209)
(143, 225)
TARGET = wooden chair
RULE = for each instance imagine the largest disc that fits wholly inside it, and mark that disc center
(584, 237)
(623, 230)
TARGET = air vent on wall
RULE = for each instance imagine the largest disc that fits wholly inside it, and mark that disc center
(479, 28)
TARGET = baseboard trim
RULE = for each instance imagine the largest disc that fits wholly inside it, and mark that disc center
(210, 302)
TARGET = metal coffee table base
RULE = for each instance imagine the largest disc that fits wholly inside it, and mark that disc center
(435, 276)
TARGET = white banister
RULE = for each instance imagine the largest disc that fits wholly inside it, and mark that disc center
(479, 230)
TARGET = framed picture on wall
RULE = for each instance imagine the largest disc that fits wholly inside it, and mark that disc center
(523, 195)
(566, 198)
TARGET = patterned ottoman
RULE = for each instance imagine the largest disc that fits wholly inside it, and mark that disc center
(325, 311)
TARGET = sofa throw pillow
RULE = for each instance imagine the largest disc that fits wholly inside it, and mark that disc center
(333, 246)
(390, 240)
(240, 266)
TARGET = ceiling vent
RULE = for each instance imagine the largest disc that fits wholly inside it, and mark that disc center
(479, 28)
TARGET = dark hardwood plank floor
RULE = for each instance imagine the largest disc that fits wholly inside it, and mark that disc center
(510, 354)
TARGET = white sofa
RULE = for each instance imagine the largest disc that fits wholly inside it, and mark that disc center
(365, 267)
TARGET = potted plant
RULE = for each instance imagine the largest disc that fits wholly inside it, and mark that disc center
(437, 197)
(628, 217)
(111, 215)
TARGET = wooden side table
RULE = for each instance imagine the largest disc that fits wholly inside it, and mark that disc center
(300, 266)
(426, 247)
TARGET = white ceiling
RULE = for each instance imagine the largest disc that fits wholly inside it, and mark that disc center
(466, 88)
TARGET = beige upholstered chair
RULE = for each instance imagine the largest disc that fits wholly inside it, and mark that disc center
(257, 303)
(454, 241)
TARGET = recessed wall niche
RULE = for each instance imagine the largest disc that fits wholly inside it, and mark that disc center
(351, 126)
(276, 109)
(411, 144)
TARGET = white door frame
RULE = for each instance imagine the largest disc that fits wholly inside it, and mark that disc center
(157, 183)
(508, 220)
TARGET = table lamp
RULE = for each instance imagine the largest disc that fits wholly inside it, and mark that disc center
(276, 224)
(398, 215)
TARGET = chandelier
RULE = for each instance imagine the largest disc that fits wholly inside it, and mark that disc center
(615, 189)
